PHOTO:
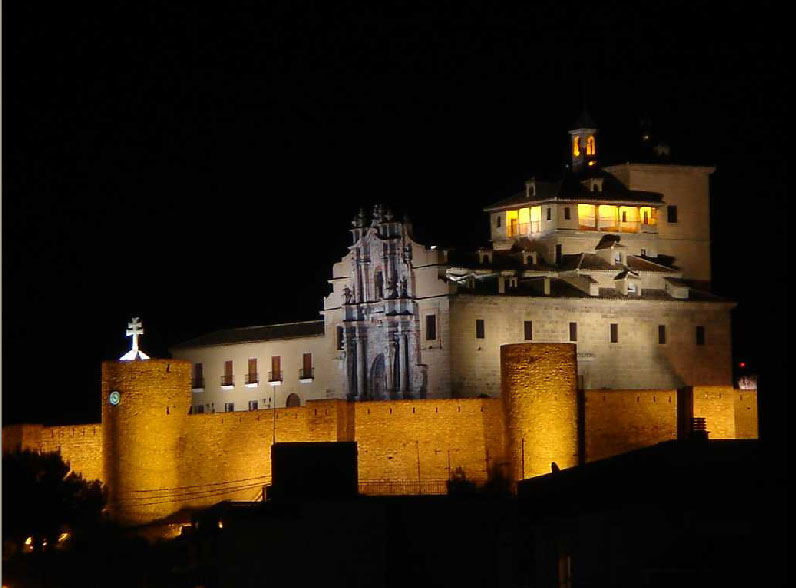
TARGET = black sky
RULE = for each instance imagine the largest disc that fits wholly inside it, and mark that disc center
(200, 167)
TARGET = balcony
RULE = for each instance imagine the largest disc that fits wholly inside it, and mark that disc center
(275, 378)
(198, 384)
(306, 375)
(227, 382)
(252, 380)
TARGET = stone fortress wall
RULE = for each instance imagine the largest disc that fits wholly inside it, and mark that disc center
(158, 459)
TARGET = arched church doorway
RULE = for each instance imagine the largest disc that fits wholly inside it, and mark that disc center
(293, 400)
(378, 379)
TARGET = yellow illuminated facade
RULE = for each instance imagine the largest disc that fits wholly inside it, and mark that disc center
(512, 222)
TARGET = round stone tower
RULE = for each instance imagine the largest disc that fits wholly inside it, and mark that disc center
(145, 406)
(540, 397)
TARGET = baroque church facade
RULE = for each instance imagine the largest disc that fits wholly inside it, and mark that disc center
(615, 259)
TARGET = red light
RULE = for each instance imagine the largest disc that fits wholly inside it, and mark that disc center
(742, 364)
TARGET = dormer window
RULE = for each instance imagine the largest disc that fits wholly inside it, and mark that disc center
(595, 184)
(632, 289)
(484, 256)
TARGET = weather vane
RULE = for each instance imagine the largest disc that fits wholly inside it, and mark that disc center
(134, 329)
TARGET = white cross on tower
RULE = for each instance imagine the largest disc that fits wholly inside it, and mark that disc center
(134, 329)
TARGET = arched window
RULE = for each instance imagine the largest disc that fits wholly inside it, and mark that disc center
(590, 146)
(293, 400)
(576, 146)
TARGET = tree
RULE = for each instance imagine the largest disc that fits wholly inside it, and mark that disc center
(42, 499)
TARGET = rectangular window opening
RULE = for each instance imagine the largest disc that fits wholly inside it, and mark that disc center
(479, 328)
(528, 326)
(671, 214)
(614, 333)
(661, 334)
(573, 332)
(431, 327)
(700, 335)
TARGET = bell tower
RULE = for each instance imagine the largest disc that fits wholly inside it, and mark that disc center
(584, 143)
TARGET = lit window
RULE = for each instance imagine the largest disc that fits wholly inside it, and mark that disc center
(587, 216)
(591, 147)
(576, 146)
(511, 223)
(524, 218)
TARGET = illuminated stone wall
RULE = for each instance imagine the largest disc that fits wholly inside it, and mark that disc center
(421, 440)
(687, 188)
(228, 456)
(618, 421)
(637, 360)
(143, 436)
(80, 447)
(541, 403)
(716, 404)
(156, 462)
(746, 414)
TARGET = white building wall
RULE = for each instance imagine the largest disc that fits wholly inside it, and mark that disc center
(291, 351)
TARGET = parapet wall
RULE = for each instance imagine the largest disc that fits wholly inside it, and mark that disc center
(618, 421)
(80, 446)
(426, 440)
(226, 456)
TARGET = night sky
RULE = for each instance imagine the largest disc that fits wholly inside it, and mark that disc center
(200, 168)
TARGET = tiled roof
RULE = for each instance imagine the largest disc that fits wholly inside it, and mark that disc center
(584, 122)
(641, 264)
(255, 334)
(501, 259)
(571, 188)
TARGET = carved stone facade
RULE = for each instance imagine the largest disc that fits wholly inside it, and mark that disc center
(380, 310)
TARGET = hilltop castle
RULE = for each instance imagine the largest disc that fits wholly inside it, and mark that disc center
(585, 330)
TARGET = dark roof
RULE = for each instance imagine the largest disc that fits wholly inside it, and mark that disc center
(255, 334)
(501, 259)
(607, 241)
(644, 264)
(584, 121)
(570, 187)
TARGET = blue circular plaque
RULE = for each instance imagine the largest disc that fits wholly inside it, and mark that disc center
(115, 398)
